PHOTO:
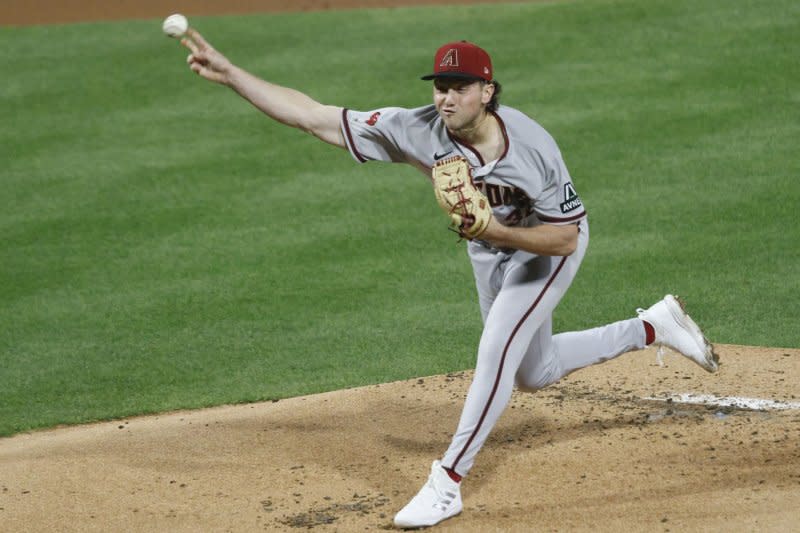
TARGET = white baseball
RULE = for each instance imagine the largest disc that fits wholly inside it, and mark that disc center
(175, 25)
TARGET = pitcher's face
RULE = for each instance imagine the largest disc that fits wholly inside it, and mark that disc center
(461, 102)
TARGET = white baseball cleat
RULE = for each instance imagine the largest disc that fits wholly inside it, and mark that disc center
(439, 499)
(676, 330)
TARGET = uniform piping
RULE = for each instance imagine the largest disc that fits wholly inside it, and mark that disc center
(350, 143)
(503, 361)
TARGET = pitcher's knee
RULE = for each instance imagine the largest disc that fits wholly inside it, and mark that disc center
(544, 377)
(522, 387)
(531, 385)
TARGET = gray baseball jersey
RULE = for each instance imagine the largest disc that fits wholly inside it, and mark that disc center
(529, 183)
(526, 186)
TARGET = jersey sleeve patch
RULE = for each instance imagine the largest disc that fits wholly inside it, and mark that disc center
(374, 135)
(572, 200)
(559, 204)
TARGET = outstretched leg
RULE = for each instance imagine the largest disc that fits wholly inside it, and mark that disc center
(551, 357)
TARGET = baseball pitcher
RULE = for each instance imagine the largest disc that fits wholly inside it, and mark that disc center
(502, 182)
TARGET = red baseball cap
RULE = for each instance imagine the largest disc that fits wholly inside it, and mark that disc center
(461, 59)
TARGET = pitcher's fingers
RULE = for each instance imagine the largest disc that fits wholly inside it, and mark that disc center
(196, 37)
(190, 44)
(207, 73)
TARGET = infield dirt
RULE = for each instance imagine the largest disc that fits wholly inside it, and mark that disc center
(588, 454)
(591, 453)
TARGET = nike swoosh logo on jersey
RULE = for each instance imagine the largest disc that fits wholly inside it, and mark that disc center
(438, 156)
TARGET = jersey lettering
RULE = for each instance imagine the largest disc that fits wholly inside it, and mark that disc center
(374, 118)
(502, 195)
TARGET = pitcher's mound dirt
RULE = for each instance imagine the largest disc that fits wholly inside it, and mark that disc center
(588, 454)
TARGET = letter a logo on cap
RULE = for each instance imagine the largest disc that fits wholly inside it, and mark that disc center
(461, 59)
(450, 59)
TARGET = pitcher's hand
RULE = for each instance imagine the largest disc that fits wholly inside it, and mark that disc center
(204, 59)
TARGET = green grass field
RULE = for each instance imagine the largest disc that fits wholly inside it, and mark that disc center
(165, 246)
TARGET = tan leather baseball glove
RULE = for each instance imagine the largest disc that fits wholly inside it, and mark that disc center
(467, 206)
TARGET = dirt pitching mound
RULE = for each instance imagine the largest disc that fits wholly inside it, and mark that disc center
(610, 448)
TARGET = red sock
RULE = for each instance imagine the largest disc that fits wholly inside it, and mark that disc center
(452, 473)
(649, 333)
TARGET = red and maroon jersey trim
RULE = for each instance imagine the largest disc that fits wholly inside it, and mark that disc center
(503, 362)
(456, 140)
(472, 148)
(505, 134)
(350, 143)
(555, 220)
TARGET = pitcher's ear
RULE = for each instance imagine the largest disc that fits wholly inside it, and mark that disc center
(488, 92)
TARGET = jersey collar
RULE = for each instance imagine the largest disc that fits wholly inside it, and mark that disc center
(472, 149)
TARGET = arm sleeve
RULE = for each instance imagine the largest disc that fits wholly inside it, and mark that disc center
(375, 135)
